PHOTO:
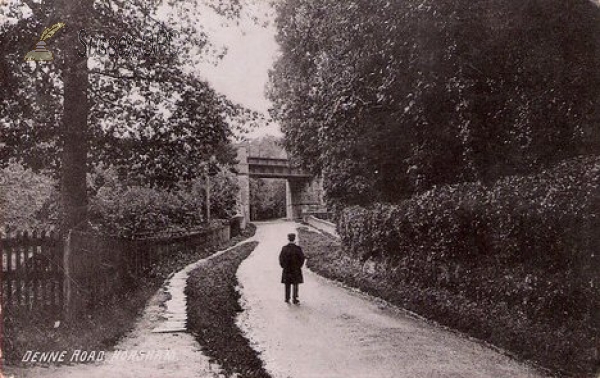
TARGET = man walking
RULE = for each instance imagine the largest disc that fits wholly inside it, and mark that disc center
(291, 260)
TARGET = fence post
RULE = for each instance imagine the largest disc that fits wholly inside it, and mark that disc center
(67, 285)
(3, 238)
(592, 244)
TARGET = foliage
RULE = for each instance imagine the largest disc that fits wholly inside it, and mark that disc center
(143, 112)
(389, 99)
(25, 198)
(141, 210)
(130, 210)
(267, 196)
(488, 302)
(267, 146)
(119, 205)
(529, 242)
(148, 122)
(223, 193)
(544, 220)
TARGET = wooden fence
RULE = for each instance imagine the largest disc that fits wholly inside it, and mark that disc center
(44, 272)
(32, 272)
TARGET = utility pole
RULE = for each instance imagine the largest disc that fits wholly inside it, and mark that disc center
(207, 188)
(207, 173)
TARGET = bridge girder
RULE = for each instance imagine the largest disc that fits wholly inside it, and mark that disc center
(274, 168)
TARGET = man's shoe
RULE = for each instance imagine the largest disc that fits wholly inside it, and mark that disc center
(296, 301)
(287, 301)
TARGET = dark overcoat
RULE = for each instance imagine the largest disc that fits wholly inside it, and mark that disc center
(291, 260)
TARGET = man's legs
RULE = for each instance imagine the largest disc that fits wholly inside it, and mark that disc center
(287, 292)
(296, 292)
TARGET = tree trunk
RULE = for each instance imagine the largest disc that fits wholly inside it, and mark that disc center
(75, 114)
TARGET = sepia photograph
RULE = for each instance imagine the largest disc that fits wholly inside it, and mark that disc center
(300, 188)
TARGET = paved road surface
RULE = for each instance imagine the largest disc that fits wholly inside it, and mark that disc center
(335, 332)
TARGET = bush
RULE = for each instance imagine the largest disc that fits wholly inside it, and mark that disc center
(138, 210)
(525, 242)
(547, 220)
(26, 198)
(127, 210)
(267, 198)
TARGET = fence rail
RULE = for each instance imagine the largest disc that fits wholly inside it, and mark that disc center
(45, 272)
(32, 271)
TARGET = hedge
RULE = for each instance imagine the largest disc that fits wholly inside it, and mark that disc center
(528, 241)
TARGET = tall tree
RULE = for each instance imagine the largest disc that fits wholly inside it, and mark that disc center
(392, 98)
(74, 135)
(117, 91)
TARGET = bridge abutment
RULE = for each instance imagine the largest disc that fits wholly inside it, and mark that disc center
(243, 199)
(303, 196)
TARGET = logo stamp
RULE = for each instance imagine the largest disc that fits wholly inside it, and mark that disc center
(41, 53)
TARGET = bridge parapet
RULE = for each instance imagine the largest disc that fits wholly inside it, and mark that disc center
(274, 168)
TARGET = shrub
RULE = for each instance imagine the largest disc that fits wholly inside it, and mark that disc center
(138, 210)
(487, 304)
(26, 198)
(125, 209)
(529, 241)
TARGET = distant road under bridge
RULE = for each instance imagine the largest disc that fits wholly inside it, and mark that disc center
(304, 193)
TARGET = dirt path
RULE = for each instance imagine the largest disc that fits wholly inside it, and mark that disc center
(335, 332)
(144, 352)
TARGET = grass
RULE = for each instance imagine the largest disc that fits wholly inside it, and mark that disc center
(563, 350)
(212, 310)
(98, 330)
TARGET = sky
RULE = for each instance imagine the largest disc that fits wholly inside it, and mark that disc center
(251, 51)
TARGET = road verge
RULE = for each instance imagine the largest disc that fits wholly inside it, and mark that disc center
(212, 310)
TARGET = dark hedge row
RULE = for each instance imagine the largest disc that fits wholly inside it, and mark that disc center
(530, 243)
(213, 305)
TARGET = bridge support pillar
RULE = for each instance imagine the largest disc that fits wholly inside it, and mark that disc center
(303, 196)
(290, 210)
(243, 199)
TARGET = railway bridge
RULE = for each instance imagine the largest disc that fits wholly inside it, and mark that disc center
(304, 193)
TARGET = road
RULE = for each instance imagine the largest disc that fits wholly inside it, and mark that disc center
(336, 332)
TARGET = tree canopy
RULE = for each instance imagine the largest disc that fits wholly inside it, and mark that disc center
(135, 106)
(388, 99)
